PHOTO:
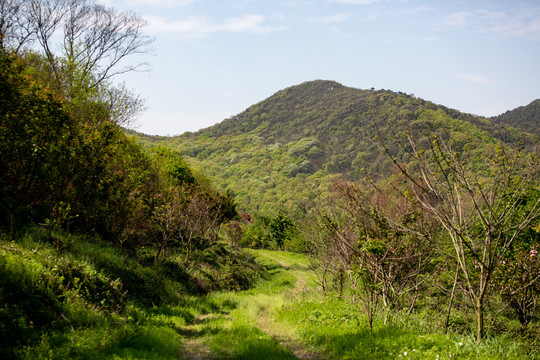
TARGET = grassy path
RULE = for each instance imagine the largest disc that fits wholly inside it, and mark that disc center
(284, 317)
(242, 325)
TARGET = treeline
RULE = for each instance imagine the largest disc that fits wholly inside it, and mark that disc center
(524, 117)
(281, 153)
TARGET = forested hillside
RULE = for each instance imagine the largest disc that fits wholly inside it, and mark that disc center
(409, 226)
(525, 118)
(404, 206)
(94, 228)
(279, 153)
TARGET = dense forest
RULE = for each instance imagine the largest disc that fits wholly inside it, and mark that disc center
(351, 223)
(281, 153)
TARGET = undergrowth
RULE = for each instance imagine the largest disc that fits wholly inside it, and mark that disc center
(93, 300)
(340, 330)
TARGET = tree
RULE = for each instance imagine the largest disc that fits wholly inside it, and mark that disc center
(280, 229)
(480, 204)
(366, 238)
(84, 45)
(15, 29)
(35, 138)
(518, 277)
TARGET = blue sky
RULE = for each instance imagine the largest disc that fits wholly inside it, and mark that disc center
(213, 59)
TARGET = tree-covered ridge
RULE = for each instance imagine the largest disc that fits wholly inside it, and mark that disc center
(525, 118)
(276, 153)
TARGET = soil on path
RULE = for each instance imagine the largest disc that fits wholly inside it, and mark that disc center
(194, 347)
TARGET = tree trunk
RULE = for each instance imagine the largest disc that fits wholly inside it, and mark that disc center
(11, 224)
(480, 318)
(451, 302)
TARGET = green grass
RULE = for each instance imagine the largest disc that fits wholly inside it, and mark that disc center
(92, 300)
(95, 302)
(339, 329)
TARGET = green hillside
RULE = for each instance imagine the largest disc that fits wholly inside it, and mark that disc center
(525, 118)
(125, 246)
(279, 154)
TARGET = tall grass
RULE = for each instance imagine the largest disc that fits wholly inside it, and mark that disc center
(340, 330)
(92, 300)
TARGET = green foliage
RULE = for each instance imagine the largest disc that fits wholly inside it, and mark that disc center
(524, 118)
(282, 153)
(35, 135)
(90, 299)
(280, 229)
(174, 165)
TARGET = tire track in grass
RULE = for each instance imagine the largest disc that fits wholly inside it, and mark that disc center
(193, 345)
(269, 326)
(196, 344)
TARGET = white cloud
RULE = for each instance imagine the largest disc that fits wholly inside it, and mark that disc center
(202, 26)
(355, 2)
(513, 22)
(476, 78)
(458, 19)
(523, 22)
(153, 3)
(337, 18)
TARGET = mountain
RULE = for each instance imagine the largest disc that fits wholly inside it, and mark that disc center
(281, 153)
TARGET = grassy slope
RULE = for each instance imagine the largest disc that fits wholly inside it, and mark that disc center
(71, 305)
(92, 300)
(286, 317)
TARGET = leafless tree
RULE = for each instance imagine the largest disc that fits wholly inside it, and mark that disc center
(383, 263)
(15, 28)
(189, 217)
(483, 206)
(85, 44)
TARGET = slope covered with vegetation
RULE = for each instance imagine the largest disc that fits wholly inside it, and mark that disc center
(405, 206)
(94, 228)
(420, 224)
(281, 152)
(525, 118)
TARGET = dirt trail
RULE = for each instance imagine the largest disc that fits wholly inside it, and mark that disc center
(194, 347)
(267, 325)
(271, 328)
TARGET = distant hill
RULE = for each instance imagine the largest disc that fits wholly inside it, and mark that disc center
(525, 118)
(280, 153)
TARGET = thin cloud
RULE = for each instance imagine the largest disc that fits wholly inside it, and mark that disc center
(169, 4)
(522, 22)
(337, 18)
(513, 22)
(476, 79)
(458, 19)
(355, 2)
(203, 26)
